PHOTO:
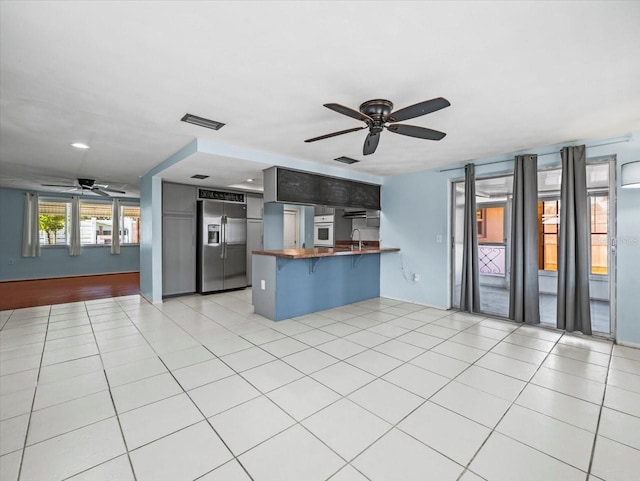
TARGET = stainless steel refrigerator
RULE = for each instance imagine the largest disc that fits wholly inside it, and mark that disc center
(222, 246)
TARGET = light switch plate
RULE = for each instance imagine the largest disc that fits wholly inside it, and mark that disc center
(263, 284)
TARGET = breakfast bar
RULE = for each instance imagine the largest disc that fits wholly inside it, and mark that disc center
(294, 282)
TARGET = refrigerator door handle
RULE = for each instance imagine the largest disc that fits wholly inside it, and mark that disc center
(224, 237)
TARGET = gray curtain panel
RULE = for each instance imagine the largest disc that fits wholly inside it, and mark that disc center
(524, 301)
(470, 288)
(573, 245)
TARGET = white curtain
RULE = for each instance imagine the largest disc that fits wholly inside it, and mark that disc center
(74, 231)
(115, 227)
(31, 226)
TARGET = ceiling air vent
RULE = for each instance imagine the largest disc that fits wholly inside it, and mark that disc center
(346, 160)
(199, 176)
(202, 122)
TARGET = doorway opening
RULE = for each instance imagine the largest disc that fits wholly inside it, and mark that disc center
(291, 234)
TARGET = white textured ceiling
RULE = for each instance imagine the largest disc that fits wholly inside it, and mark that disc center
(120, 75)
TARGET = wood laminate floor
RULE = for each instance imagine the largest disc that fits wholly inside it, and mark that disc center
(42, 292)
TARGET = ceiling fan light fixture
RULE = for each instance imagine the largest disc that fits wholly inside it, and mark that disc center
(202, 122)
(79, 145)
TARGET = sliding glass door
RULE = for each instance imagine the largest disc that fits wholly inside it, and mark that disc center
(600, 189)
(493, 216)
(493, 199)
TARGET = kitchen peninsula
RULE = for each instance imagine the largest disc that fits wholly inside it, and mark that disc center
(294, 282)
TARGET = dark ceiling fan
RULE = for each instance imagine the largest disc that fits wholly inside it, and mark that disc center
(378, 113)
(88, 185)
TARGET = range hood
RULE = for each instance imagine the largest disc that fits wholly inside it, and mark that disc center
(372, 217)
(361, 214)
(355, 214)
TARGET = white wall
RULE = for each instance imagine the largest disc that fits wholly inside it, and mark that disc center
(416, 208)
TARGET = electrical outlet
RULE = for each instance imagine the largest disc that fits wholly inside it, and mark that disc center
(439, 239)
(11, 262)
(416, 277)
(263, 284)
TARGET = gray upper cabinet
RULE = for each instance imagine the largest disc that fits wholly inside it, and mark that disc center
(254, 206)
(178, 199)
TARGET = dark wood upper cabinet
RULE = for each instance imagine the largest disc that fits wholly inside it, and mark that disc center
(296, 187)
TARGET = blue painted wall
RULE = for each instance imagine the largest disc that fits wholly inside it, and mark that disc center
(416, 208)
(53, 261)
(628, 255)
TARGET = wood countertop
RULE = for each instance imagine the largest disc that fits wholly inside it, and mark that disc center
(325, 252)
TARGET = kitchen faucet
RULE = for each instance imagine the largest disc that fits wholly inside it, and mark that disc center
(359, 237)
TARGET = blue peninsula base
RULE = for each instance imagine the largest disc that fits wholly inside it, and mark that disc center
(285, 288)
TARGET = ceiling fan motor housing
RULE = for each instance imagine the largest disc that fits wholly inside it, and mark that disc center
(378, 110)
(86, 182)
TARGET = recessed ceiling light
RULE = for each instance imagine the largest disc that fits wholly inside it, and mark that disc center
(249, 180)
(79, 145)
(199, 176)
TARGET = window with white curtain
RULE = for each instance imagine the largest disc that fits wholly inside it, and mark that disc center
(95, 222)
(54, 218)
(130, 224)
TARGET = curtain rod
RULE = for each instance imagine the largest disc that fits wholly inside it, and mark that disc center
(539, 155)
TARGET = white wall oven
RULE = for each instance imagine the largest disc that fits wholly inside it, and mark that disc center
(323, 231)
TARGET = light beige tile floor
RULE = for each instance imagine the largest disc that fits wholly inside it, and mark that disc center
(199, 387)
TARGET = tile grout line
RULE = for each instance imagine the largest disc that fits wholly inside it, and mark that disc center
(595, 434)
(115, 410)
(33, 400)
(206, 419)
(493, 429)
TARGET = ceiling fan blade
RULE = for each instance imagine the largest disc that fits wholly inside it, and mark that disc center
(341, 109)
(371, 143)
(113, 190)
(418, 109)
(99, 192)
(413, 131)
(59, 185)
(335, 133)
